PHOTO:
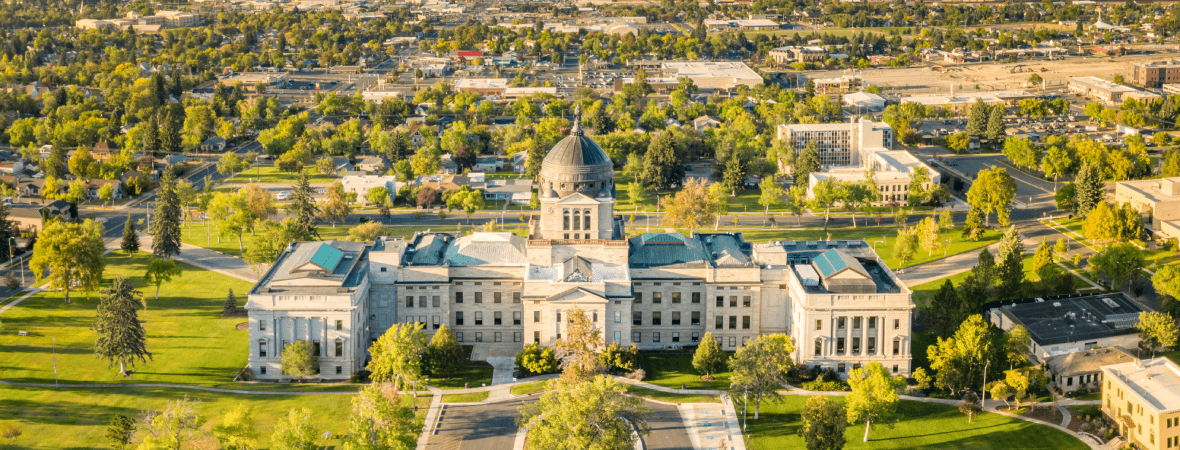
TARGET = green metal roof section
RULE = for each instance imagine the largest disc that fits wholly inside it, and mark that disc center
(663, 249)
(327, 257)
(829, 263)
(662, 237)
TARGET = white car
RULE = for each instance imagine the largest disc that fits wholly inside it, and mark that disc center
(283, 195)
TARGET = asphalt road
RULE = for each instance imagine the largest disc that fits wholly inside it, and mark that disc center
(492, 426)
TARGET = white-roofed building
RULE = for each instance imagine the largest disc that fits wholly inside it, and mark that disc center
(1143, 398)
(865, 101)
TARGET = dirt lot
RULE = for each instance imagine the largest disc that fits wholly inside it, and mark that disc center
(927, 79)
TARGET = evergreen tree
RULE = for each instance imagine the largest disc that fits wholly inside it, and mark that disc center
(986, 267)
(946, 311)
(1089, 189)
(157, 89)
(444, 356)
(130, 242)
(166, 227)
(5, 231)
(56, 164)
(662, 168)
(121, 338)
(995, 123)
(151, 133)
(121, 430)
(231, 304)
(806, 163)
(304, 210)
(1010, 269)
(977, 121)
(170, 131)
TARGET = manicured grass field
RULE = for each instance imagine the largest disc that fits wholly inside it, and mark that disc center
(473, 376)
(923, 426)
(474, 397)
(673, 369)
(530, 388)
(205, 236)
(78, 418)
(189, 340)
(671, 398)
(272, 174)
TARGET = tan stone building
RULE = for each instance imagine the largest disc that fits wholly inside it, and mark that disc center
(1143, 398)
(1158, 200)
(499, 292)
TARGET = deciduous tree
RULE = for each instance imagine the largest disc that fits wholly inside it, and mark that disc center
(69, 256)
(397, 355)
(160, 271)
(692, 207)
(444, 356)
(236, 430)
(173, 427)
(1156, 329)
(970, 406)
(296, 431)
(595, 414)
(120, 431)
(336, 208)
(577, 349)
(1119, 262)
(760, 368)
(824, 422)
(708, 358)
(300, 360)
(874, 396)
(382, 418)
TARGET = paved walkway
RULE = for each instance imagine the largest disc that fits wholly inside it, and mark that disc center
(228, 265)
(502, 367)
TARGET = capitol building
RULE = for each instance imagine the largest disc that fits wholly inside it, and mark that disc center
(841, 305)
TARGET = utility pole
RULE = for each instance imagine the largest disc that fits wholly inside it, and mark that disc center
(983, 389)
(54, 347)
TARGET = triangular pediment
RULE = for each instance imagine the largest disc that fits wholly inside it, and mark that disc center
(577, 198)
(576, 295)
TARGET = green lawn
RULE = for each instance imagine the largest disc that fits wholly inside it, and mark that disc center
(206, 236)
(271, 174)
(673, 369)
(671, 398)
(530, 388)
(923, 426)
(189, 340)
(78, 418)
(474, 397)
(473, 376)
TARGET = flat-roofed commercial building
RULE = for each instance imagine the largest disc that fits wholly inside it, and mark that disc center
(1154, 75)
(1109, 92)
(708, 76)
(893, 170)
(1072, 323)
(839, 144)
(1157, 199)
(1143, 398)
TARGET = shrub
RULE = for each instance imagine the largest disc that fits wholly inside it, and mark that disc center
(537, 360)
(246, 374)
(360, 376)
(615, 357)
(637, 375)
(820, 385)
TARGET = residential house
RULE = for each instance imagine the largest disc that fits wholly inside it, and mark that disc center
(213, 144)
(94, 185)
(342, 164)
(488, 163)
(31, 217)
(519, 160)
(1083, 370)
(703, 123)
(373, 164)
(360, 185)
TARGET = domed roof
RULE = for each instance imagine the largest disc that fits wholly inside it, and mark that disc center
(575, 163)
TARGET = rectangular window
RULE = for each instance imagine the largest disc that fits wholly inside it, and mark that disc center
(409, 301)
(340, 369)
(595, 316)
(840, 323)
(872, 322)
(856, 322)
(478, 336)
(638, 297)
(421, 301)
(636, 337)
(497, 318)
(839, 346)
(675, 337)
(261, 349)
(896, 348)
(733, 301)
(458, 297)
(496, 297)
(422, 320)
(516, 318)
(696, 318)
(515, 297)
(339, 349)
(619, 337)
(516, 336)
(261, 325)
(262, 370)
(435, 301)
(840, 368)
(479, 297)
(819, 347)
(675, 297)
(819, 324)
(496, 337)
(855, 346)
(675, 318)
(733, 341)
(896, 324)
(745, 322)
(656, 318)
(459, 336)
(637, 318)
(657, 297)
(720, 322)
(696, 297)
(733, 322)
(536, 316)
(536, 336)
(478, 319)
(458, 318)
(339, 325)
(435, 321)
(618, 317)
(315, 348)
(871, 345)
(655, 337)
(746, 301)
(720, 301)
(696, 337)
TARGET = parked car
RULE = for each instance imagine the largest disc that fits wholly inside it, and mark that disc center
(283, 195)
